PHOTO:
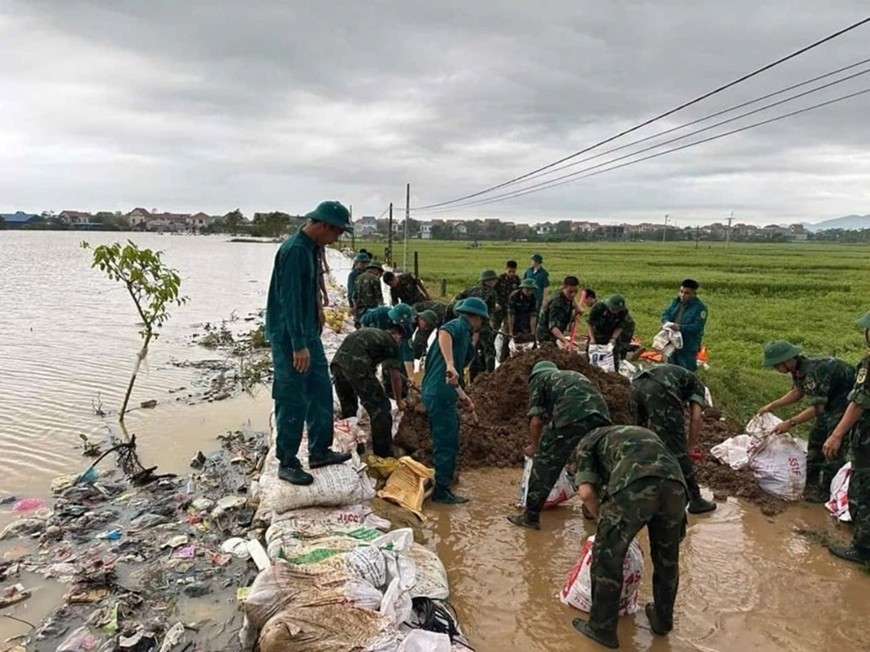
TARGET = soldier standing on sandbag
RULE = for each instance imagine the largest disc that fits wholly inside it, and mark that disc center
(857, 420)
(485, 290)
(658, 395)
(354, 371)
(688, 314)
(294, 322)
(610, 323)
(508, 282)
(572, 406)
(368, 293)
(554, 324)
(359, 267)
(522, 313)
(446, 361)
(827, 382)
(628, 480)
(405, 288)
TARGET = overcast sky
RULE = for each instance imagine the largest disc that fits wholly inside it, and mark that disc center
(188, 105)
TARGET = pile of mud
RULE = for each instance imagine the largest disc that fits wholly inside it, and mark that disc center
(502, 399)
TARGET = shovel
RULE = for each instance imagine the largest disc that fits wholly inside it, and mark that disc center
(464, 397)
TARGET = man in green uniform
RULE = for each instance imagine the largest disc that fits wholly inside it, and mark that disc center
(294, 322)
(508, 282)
(354, 371)
(571, 406)
(658, 395)
(522, 321)
(610, 323)
(359, 267)
(485, 290)
(628, 479)
(540, 276)
(427, 325)
(857, 420)
(368, 293)
(688, 314)
(556, 317)
(448, 356)
(827, 383)
(384, 317)
(405, 288)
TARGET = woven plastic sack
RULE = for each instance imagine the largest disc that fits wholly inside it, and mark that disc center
(562, 490)
(578, 589)
(838, 505)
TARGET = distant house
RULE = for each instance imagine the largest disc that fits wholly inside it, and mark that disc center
(426, 230)
(74, 218)
(18, 219)
(168, 222)
(138, 217)
(544, 229)
(200, 221)
(460, 228)
(366, 225)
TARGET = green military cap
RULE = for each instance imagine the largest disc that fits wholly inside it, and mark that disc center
(544, 366)
(779, 351)
(472, 306)
(616, 303)
(488, 275)
(373, 264)
(332, 213)
(429, 317)
(864, 322)
(538, 258)
(362, 258)
(402, 314)
(529, 284)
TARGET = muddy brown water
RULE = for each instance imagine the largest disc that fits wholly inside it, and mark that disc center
(748, 581)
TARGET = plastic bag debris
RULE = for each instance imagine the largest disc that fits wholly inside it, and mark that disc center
(237, 547)
(409, 485)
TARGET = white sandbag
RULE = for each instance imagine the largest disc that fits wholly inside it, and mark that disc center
(431, 575)
(762, 425)
(601, 356)
(419, 640)
(838, 505)
(661, 340)
(733, 451)
(283, 542)
(627, 369)
(562, 490)
(323, 521)
(779, 463)
(327, 628)
(578, 589)
(367, 563)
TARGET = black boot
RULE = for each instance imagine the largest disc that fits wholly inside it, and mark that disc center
(327, 459)
(531, 521)
(697, 504)
(294, 475)
(850, 553)
(446, 497)
(655, 623)
(607, 640)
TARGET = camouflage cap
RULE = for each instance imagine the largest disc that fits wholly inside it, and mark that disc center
(529, 284)
(544, 366)
(864, 322)
(616, 303)
(429, 317)
(488, 275)
(373, 264)
(402, 314)
(779, 351)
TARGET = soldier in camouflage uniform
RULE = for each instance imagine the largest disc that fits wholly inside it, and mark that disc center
(522, 312)
(368, 293)
(359, 267)
(827, 383)
(629, 480)
(485, 289)
(354, 372)
(421, 337)
(554, 325)
(405, 288)
(857, 420)
(384, 318)
(571, 406)
(508, 282)
(658, 395)
(610, 323)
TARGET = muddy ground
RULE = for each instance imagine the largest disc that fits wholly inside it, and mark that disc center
(501, 399)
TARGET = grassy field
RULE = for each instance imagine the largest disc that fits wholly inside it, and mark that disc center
(808, 293)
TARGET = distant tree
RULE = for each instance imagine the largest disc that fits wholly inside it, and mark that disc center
(442, 232)
(233, 222)
(270, 225)
(2, 223)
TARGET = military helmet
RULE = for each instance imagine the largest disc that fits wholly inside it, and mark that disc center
(544, 366)
(779, 351)
(529, 284)
(864, 322)
(616, 303)
(472, 306)
(488, 275)
(362, 258)
(429, 317)
(373, 264)
(332, 213)
(402, 314)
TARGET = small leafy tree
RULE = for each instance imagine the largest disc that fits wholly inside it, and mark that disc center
(152, 285)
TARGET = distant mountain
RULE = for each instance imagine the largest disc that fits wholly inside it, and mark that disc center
(849, 222)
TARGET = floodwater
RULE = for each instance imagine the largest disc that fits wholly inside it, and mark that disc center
(67, 335)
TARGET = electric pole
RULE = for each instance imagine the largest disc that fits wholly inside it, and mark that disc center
(407, 225)
(352, 234)
(665, 232)
(728, 232)
(389, 252)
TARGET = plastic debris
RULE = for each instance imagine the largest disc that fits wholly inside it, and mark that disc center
(63, 482)
(237, 547)
(13, 595)
(79, 641)
(187, 552)
(202, 504)
(28, 505)
(149, 404)
(173, 637)
(176, 541)
(258, 554)
(110, 535)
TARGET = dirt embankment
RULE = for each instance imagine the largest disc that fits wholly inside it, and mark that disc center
(502, 400)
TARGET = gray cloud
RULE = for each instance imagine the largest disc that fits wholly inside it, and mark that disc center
(201, 105)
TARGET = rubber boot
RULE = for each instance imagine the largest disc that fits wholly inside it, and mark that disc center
(697, 504)
(607, 640)
(655, 624)
(294, 475)
(850, 553)
(331, 457)
(815, 494)
(446, 497)
(531, 521)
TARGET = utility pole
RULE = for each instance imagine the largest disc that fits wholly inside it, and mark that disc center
(665, 232)
(728, 232)
(389, 252)
(697, 236)
(407, 225)
(352, 234)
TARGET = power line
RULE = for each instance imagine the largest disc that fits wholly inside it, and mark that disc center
(549, 182)
(700, 98)
(576, 176)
